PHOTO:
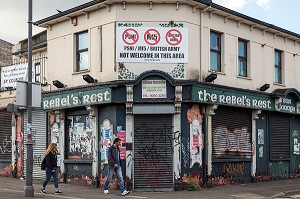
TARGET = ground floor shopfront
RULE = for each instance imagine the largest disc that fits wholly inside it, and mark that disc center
(171, 130)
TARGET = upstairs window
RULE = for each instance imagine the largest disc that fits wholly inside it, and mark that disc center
(37, 69)
(242, 62)
(278, 67)
(82, 50)
(215, 51)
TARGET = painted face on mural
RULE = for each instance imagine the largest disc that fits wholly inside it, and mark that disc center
(194, 113)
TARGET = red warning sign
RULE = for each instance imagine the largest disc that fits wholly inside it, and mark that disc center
(130, 36)
(152, 37)
(173, 37)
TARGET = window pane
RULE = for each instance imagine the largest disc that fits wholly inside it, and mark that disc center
(242, 52)
(215, 61)
(214, 41)
(83, 60)
(242, 68)
(82, 41)
(277, 58)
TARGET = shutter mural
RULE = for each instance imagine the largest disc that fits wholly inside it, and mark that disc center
(5, 136)
(279, 127)
(39, 131)
(153, 157)
(232, 133)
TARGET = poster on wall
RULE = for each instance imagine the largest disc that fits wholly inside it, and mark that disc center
(107, 136)
(122, 136)
(152, 44)
(261, 151)
(80, 137)
(196, 142)
(296, 147)
(196, 145)
(260, 135)
(55, 133)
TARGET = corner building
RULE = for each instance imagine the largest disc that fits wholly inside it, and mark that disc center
(197, 93)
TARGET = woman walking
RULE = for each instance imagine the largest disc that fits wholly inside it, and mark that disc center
(51, 168)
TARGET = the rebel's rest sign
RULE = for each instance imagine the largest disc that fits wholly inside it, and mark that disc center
(243, 99)
(74, 99)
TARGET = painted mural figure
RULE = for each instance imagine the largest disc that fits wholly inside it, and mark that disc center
(114, 165)
(51, 168)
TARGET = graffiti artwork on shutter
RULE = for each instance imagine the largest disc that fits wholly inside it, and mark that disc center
(232, 143)
(196, 138)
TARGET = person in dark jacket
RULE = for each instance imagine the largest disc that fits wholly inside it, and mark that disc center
(114, 165)
(51, 168)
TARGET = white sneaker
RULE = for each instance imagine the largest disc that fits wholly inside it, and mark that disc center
(106, 192)
(125, 193)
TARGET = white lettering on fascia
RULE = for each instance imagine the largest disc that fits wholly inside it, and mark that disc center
(46, 104)
(106, 96)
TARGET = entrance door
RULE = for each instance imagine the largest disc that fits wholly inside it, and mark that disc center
(153, 157)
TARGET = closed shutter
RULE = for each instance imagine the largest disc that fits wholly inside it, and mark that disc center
(279, 127)
(232, 133)
(39, 142)
(5, 136)
(153, 157)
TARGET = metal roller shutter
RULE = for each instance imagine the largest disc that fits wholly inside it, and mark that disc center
(39, 142)
(232, 132)
(153, 156)
(5, 136)
(279, 125)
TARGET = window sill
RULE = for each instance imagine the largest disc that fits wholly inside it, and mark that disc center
(247, 78)
(81, 72)
(216, 72)
(276, 84)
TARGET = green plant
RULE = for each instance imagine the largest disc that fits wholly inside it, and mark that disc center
(192, 186)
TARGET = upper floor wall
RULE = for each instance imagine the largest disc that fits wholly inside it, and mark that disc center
(98, 28)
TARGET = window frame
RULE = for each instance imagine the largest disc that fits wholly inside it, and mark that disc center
(37, 72)
(278, 66)
(244, 58)
(80, 51)
(218, 52)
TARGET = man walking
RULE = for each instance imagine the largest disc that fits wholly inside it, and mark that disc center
(114, 165)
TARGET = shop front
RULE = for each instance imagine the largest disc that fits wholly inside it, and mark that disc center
(251, 135)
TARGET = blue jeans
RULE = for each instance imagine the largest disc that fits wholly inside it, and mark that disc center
(49, 173)
(111, 171)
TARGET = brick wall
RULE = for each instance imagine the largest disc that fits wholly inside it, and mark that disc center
(5, 53)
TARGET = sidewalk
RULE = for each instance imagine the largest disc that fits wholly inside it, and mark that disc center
(14, 188)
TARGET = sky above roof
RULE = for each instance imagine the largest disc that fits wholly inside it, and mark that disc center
(14, 14)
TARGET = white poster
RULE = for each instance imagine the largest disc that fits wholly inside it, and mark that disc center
(195, 142)
(152, 44)
(261, 151)
(11, 74)
(154, 89)
(260, 135)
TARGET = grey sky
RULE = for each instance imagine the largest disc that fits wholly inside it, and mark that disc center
(14, 16)
(14, 13)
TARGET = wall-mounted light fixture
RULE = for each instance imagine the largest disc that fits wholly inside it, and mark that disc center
(295, 54)
(211, 77)
(89, 79)
(263, 45)
(58, 84)
(264, 87)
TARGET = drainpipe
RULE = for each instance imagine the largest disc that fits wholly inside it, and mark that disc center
(201, 40)
(204, 173)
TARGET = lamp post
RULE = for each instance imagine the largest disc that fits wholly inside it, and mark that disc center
(28, 189)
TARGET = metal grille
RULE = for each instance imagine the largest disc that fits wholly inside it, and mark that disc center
(39, 142)
(232, 132)
(5, 136)
(279, 125)
(153, 157)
